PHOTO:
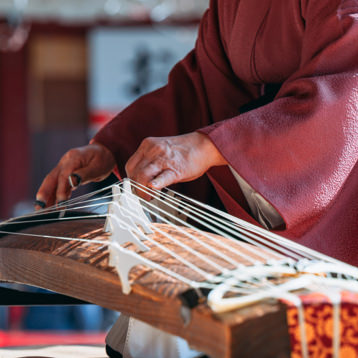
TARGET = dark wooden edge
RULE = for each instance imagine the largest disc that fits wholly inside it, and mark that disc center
(12, 297)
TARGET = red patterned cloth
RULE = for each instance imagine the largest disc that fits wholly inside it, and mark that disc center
(318, 312)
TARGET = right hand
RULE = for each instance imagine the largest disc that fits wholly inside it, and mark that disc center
(93, 162)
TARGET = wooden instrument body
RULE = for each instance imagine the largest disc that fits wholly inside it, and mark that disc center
(81, 270)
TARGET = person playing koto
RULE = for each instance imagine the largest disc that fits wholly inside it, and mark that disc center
(262, 115)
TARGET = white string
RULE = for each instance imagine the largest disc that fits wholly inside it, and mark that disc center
(255, 241)
(192, 237)
(50, 210)
(243, 225)
(145, 261)
(239, 223)
(224, 224)
(244, 229)
(210, 227)
(209, 276)
(334, 296)
(56, 219)
(87, 206)
(204, 258)
(64, 238)
(170, 252)
(78, 200)
(189, 249)
(237, 234)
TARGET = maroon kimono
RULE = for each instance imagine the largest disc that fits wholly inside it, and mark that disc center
(299, 150)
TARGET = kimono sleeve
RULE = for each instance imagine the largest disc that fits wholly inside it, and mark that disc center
(299, 150)
(182, 105)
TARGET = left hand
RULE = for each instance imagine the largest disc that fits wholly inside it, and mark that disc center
(159, 162)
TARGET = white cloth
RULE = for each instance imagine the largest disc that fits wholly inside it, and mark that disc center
(261, 209)
(55, 352)
(136, 339)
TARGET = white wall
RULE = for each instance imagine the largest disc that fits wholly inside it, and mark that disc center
(72, 10)
(122, 58)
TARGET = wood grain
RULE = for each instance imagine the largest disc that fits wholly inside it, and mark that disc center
(81, 270)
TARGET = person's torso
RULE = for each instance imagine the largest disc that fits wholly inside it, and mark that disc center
(263, 38)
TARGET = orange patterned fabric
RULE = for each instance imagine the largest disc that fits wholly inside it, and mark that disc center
(318, 313)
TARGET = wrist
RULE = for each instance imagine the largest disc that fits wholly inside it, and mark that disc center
(215, 158)
(105, 151)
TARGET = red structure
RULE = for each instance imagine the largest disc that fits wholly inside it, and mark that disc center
(14, 132)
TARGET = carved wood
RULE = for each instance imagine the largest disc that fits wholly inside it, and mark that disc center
(81, 270)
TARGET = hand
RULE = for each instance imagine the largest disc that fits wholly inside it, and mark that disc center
(93, 162)
(160, 162)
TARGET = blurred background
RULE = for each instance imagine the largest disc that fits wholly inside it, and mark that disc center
(66, 68)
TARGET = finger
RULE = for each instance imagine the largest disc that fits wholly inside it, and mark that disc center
(147, 172)
(165, 178)
(88, 174)
(64, 188)
(136, 173)
(46, 195)
(38, 204)
(144, 176)
(133, 162)
(70, 178)
(74, 180)
(145, 150)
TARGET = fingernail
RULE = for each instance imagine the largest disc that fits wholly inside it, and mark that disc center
(76, 181)
(40, 203)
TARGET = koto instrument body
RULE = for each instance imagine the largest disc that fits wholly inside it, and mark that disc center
(81, 270)
(170, 289)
